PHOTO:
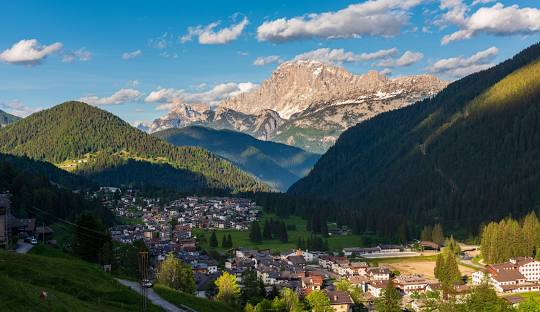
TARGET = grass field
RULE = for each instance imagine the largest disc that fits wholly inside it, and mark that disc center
(181, 299)
(71, 284)
(241, 238)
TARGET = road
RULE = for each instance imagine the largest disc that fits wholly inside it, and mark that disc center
(23, 247)
(152, 296)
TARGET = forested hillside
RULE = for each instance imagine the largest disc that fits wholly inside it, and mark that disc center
(33, 193)
(6, 118)
(92, 142)
(278, 165)
(468, 155)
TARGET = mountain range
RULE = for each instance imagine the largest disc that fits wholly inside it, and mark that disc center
(468, 155)
(307, 104)
(94, 143)
(278, 165)
(6, 118)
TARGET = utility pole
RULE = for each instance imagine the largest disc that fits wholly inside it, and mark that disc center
(143, 272)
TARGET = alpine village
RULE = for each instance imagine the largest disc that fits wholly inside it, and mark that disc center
(284, 156)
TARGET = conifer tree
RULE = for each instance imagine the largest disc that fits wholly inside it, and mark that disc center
(213, 240)
(438, 235)
(255, 232)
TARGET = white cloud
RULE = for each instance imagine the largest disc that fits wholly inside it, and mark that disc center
(455, 12)
(339, 56)
(18, 108)
(408, 58)
(207, 34)
(265, 60)
(369, 18)
(497, 20)
(82, 55)
(386, 72)
(131, 55)
(119, 97)
(161, 42)
(477, 2)
(29, 52)
(169, 97)
(457, 67)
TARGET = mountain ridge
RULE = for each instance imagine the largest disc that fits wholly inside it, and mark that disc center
(277, 164)
(7, 118)
(305, 104)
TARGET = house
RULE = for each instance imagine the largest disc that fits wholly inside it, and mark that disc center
(378, 273)
(359, 281)
(520, 274)
(341, 301)
(312, 282)
(409, 284)
(375, 288)
(308, 256)
(44, 233)
(296, 260)
(429, 245)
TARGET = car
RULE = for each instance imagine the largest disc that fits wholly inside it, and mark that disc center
(28, 239)
(34, 241)
(147, 284)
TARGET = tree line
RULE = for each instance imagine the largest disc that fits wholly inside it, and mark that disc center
(509, 238)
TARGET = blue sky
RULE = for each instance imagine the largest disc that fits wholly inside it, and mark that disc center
(134, 58)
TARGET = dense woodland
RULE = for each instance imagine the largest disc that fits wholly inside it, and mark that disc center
(72, 130)
(35, 195)
(277, 164)
(468, 155)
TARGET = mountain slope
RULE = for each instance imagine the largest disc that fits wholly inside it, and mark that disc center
(277, 164)
(306, 104)
(6, 118)
(88, 140)
(468, 155)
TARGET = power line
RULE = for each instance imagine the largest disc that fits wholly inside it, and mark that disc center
(68, 222)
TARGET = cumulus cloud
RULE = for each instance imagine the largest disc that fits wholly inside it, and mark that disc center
(82, 55)
(457, 67)
(131, 55)
(339, 56)
(408, 58)
(169, 97)
(208, 35)
(265, 60)
(29, 52)
(18, 108)
(119, 97)
(369, 18)
(455, 13)
(497, 20)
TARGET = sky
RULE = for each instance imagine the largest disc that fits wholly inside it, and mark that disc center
(138, 59)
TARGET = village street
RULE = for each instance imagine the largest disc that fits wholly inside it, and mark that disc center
(23, 247)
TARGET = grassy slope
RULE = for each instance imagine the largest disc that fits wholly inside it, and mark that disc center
(241, 238)
(71, 284)
(181, 299)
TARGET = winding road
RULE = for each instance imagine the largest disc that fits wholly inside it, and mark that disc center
(152, 296)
